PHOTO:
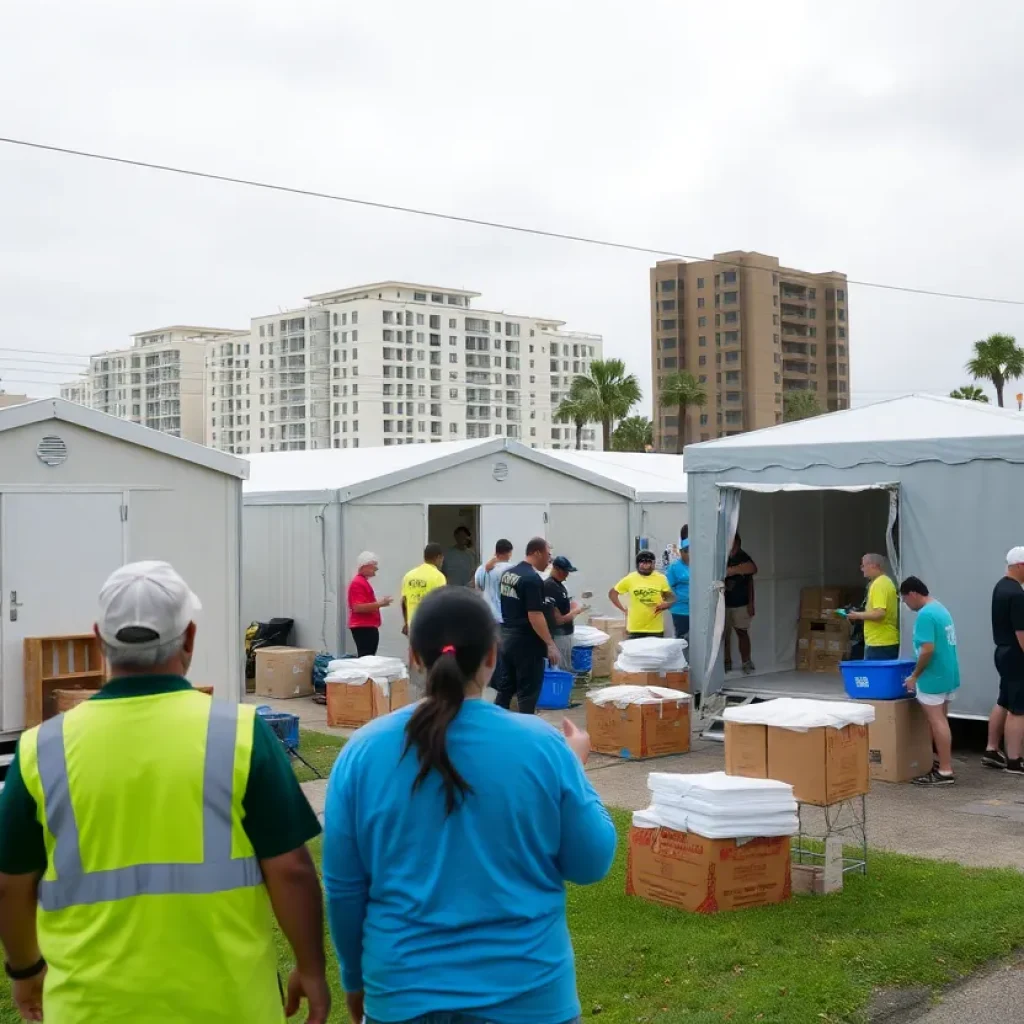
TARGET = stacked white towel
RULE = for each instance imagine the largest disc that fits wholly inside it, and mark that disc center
(589, 636)
(651, 654)
(801, 714)
(719, 806)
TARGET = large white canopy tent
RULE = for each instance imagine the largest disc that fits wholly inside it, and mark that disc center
(307, 516)
(935, 484)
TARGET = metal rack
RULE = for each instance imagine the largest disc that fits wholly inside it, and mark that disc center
(846, 820)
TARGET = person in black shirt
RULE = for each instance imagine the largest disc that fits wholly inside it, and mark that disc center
(739, 605)
(525, 637)
(1007, 718)
(560, 611)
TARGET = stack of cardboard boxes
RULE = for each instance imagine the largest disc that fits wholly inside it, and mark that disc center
(823, 638)
(605, 655)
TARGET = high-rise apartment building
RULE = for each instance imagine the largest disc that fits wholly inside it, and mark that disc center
(749, 330)
(393, 363)
(158, 382)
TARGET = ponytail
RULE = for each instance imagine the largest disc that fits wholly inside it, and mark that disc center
(452, 633)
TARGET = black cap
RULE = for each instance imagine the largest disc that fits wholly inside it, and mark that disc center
(645, 556)
(563, 563)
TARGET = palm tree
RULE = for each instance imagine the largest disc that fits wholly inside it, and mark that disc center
(608, 393)
(575, 408)
(969, 393)
(997, 359)
(633, 434)
(680, 391)
(800, 405)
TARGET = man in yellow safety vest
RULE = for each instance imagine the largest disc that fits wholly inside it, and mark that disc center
(149, 837)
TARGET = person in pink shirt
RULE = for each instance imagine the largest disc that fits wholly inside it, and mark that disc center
(364, 607)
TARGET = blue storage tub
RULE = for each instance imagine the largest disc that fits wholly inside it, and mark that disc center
(877, 680)
(582, 659)
(284, 725)
(556, 689)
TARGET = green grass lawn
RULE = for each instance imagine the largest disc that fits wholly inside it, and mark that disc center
(815, 959)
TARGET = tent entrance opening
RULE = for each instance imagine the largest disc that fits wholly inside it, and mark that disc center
(805, 540)
(442, 522)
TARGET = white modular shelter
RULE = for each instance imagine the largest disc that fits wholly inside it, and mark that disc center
(935, 484)
(309, 514)
(81, 493)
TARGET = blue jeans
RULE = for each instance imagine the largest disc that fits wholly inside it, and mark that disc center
(681, 625)
(888, 653)
(454, 1018)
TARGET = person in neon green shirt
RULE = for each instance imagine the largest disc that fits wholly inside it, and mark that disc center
(881, 615)
(649, 595)
(419, 582)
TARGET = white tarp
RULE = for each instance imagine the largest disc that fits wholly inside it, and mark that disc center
(775, 488)
(801, 713)
(623, 696)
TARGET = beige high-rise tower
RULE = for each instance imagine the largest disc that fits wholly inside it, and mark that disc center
(749, 330)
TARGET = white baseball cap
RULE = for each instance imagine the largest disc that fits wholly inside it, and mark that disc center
(1015, 556)
(145, 604)
(366, 558)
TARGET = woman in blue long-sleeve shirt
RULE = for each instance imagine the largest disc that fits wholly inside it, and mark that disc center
(451, 828)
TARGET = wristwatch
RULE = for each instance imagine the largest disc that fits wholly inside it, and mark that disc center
(24, 973)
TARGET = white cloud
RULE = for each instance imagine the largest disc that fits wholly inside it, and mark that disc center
(880, 139)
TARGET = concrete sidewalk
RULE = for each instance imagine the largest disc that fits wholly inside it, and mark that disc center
(978, 822)
(993, 998)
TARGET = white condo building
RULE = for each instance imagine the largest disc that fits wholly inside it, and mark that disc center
(159, 381)
(392, 363)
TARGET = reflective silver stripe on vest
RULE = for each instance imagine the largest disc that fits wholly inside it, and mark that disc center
(218, 872)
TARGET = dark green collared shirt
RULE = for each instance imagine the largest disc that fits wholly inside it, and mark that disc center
(277, 818)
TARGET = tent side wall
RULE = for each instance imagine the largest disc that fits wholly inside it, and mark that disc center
(290, 569)
(956, 524)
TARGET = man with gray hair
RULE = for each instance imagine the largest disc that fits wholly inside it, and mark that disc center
(167, 827)
(881, 615)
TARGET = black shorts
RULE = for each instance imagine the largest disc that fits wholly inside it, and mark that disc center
(1010, 666)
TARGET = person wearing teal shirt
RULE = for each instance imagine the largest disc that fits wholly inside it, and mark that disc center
(936, 676)
(678, 576)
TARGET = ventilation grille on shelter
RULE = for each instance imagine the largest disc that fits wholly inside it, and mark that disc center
(52, 451)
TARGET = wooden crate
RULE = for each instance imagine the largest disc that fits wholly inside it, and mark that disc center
(73, 662)
(65, 700)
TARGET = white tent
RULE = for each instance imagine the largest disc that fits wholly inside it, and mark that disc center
(933, 483)
(80, 494)
(309, 514)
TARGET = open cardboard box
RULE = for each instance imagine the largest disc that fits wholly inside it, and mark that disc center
(705, 876)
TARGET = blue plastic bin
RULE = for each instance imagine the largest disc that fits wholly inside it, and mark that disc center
(582, 659)
(284, 725)
(876, 680)
(556, 689)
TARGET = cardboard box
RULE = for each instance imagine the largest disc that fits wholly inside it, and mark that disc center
(822, 602)
(284, 672)
(822, 644)
(605, 655)
(672, 680)
(819, 879)
(352, 705)
(705, 876)
(746, 750)
(640, 730)
(824, 766)
(899, 741)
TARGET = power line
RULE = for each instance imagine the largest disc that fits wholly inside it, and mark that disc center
(474, 221)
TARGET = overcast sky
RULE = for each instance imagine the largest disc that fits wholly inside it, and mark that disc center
(880, 139)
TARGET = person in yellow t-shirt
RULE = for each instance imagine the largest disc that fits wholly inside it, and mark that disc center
(881, 615)
(649, 595)
(419, 582)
